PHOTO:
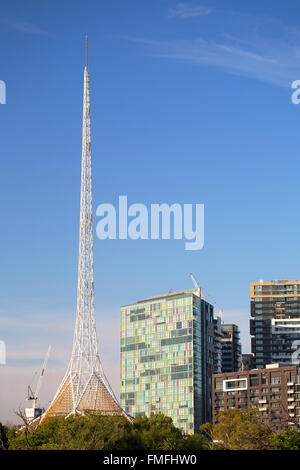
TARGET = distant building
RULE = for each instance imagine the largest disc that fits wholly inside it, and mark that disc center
(231, 348)
(275, 323)
(275, 391)
(166, 360)
(217, 369)
(248, 362)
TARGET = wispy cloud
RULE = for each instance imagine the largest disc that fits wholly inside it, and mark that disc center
(27, 336)
(265, 50)
(14, 384)
(188, 10)
(15, 24)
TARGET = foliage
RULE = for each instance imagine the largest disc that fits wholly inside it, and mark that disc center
(287, 440)
(235, 430)
(92, 432)
(3, 437)
(196, 442)
(157, 432)
(239, 430)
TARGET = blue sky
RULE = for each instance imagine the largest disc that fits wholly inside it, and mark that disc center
(191, 103)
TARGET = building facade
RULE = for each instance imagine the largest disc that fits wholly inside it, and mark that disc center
(166, 358)
(231, 348)
(247, 362)
(275, 322)
(275, 391)
(218, 335)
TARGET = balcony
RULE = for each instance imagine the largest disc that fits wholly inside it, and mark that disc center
(264, 408)
(291, 407)
(263, 400)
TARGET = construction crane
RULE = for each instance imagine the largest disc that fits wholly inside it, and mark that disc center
(34, 412)
(196, 284)
(220, 313)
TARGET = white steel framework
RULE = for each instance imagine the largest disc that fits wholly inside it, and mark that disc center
(85, 387)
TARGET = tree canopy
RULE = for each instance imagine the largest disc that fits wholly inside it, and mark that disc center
(287, 440)
(239, 430)
(235, 430)
(3, 437)
(92, 432)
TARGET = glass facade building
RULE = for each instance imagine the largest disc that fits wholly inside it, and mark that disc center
(275, 323)
(166, 358)
(231, 348)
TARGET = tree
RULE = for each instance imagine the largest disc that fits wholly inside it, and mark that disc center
(89, 432)
(27, 428)
(196, 442)
(283, 417)
(3, 437)
(286, 440)
(239, 430)
(157, 432)
(94, 432)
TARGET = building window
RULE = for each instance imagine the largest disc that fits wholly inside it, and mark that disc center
(254, 380)
(275, 379)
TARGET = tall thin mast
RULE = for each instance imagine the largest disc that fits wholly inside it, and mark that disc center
(85, 386)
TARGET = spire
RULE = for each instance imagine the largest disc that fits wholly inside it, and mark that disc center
(86, 51)
(85, 387)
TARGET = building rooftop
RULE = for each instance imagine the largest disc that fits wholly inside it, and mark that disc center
(170, 295)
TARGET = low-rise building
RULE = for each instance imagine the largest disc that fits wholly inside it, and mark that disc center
(275, 391)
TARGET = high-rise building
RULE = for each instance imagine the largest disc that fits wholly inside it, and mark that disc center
(248, 362)
(231, 348)
(275, 391)
(167, 358)
(218, 335)
(275, 323)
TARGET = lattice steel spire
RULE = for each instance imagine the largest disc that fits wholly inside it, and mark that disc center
(85, 387)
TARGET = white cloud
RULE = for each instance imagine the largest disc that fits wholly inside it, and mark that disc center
(263, 50)
(13, 390)
(188, 10)
(21, 26)
(27, 339)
